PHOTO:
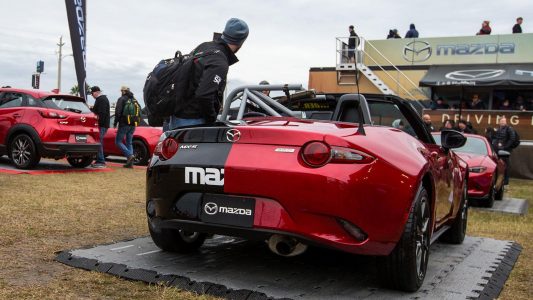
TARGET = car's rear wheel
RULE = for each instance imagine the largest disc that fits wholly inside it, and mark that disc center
(80, 162)
(176, 240)
(23, 152)
(405, 268)
(140, 153)
(457, 232)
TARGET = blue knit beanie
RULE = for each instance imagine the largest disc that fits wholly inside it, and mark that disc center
(236, 32)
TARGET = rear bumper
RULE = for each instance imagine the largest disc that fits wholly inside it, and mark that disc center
(68, 149)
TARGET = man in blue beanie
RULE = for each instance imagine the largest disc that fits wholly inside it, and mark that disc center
(204, 97)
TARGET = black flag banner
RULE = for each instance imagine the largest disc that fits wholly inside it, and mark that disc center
(76, 13)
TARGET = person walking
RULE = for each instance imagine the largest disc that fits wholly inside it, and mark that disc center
(100, 109)
(412, 33)
(517, 28)
(203, 101)
(126, 125)
(503, 139)
(485, 28)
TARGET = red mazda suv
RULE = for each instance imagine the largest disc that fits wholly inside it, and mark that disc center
(35, 124)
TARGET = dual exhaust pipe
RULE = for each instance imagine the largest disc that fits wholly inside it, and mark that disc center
(285, 246)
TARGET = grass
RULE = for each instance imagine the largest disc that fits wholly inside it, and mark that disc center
(47, 213)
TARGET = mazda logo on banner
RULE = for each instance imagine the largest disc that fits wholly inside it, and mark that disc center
(472, 75)
(417, 51)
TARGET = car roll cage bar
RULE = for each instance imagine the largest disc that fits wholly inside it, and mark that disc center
(350, 108)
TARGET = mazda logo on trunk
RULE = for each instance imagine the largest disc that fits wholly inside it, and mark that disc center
(479, 74)
(417, 51)
(233, 135)
(211, 208)
(83, 119)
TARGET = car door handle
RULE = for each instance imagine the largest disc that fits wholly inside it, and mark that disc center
(16, 116)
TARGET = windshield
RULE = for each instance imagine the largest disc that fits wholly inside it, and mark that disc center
(473, 145)
(68, 104)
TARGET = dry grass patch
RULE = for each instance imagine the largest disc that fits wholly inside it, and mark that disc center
(48, 213)
(514, 228)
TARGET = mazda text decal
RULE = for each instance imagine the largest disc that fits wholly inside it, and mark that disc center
(204, 176)
(476, 49)
(211, 208)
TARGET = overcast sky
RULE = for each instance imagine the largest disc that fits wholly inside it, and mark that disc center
(126, 38)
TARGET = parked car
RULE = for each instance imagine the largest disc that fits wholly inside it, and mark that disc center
(486, 169)
(145, 139)
(351, 183)
(36, 124)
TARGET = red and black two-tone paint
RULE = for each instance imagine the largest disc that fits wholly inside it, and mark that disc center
(363, 189)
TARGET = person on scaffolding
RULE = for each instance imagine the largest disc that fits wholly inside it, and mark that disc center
(353, 42)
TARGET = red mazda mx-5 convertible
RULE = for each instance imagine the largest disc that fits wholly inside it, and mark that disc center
(366, 178)
(486, 169)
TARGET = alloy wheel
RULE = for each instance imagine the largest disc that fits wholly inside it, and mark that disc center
(422, 237)
(21, 151)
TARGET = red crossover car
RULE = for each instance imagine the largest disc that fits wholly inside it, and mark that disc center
(35, 124)
(145, 139)
(353, 183)
(486, 170)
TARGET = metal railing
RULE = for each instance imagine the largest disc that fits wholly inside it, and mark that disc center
(361, 54)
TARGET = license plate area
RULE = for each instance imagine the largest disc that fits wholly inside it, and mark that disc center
(80, 138)
(227, 210)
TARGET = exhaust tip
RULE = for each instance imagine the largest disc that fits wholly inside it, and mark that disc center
(285, 246)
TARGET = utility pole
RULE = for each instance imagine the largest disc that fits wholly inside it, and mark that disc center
(59, 58)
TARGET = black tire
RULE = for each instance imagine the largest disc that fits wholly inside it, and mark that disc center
(176, 240)
(457, 232)
(405, 268)
(140, 153)
(80, 162)
(499, 193)
(492, 195)
(23, 152)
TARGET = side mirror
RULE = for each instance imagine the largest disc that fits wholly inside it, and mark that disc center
(503, 154)
(451, 139)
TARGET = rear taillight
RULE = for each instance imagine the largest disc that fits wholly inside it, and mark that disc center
(166, 149)
(51, 115)
(318, 154)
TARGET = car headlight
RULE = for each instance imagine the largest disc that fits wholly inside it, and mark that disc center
(477, 169)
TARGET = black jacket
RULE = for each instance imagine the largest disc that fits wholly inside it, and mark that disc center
(207, 82)
(504, 136)
(517, 28)
(101, 109)
(119, 108)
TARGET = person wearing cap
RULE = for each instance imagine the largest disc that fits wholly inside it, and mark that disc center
(266, 92)
(101, 109)
(124, 131)
(203, 100)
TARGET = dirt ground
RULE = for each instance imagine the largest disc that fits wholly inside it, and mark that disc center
(43, 214)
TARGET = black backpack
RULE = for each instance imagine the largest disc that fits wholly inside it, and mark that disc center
(166, 86)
